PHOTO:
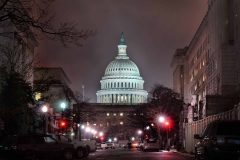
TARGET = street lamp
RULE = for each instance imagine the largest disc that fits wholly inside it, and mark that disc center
(140, 134)
(161, 119)
(44, 110)
(63, 106)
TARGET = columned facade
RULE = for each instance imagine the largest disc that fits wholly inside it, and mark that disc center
(122, 83)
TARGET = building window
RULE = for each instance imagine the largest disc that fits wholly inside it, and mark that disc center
(114, 114)
(121, 123)
(101, 125)
(121, 114)
(108, 114)
(37, 96)
(94, 124)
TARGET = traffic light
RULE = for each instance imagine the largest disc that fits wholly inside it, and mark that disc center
(167, 124)
(63, 124)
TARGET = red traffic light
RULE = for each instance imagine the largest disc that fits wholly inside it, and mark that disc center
(167, 123)
(62, 124)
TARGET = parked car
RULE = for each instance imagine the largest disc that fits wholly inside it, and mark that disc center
(80, 148)
(35, 146)
(140, 145)
(103, 145)
(151, 144)
(92, 144)
(221, 138)
(110, 145)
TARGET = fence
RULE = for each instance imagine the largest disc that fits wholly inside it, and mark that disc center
(196, 127)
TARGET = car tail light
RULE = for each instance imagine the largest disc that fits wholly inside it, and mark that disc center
(214, 141)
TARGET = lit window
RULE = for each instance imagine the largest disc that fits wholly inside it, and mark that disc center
(121, 123)
(87, 123)
(114, 114)
(37, 96)
(101, 125)
(108, 114)
(142, 114)
(94, 124)
(135, 114)
(121, 114)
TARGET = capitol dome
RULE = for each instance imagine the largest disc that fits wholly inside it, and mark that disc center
(122, 67)
(122, 82)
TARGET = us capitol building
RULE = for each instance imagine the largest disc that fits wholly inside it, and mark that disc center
(122, 83)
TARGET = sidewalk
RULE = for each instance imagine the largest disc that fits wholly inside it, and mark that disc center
(179, 152)
(182, 152)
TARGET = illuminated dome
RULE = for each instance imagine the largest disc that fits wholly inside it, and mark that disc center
(122, 82)
(122, 67)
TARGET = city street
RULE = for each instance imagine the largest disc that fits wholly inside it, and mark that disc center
(134, 154)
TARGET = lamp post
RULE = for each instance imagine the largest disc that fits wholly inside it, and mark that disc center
(44, 110)
(161, 120)
(140, 134)
(63, 106)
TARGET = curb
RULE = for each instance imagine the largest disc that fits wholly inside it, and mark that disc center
(185, 154)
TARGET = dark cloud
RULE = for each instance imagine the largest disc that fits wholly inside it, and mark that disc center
(153, 30)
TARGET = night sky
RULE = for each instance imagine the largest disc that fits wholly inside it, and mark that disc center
(153, 30)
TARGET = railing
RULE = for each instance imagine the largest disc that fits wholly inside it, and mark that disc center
(196, 127)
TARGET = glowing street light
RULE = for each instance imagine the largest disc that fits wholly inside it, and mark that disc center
(161, 119)
(88, 129)
(139, 132)
(44, 110)
(82, 126)
(63, 105)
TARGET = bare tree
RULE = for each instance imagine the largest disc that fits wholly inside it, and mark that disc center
(33, 19)
(82, 112)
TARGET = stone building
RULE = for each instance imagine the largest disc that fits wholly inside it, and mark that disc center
(57, 94)
(207, 70)
(210, 64)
